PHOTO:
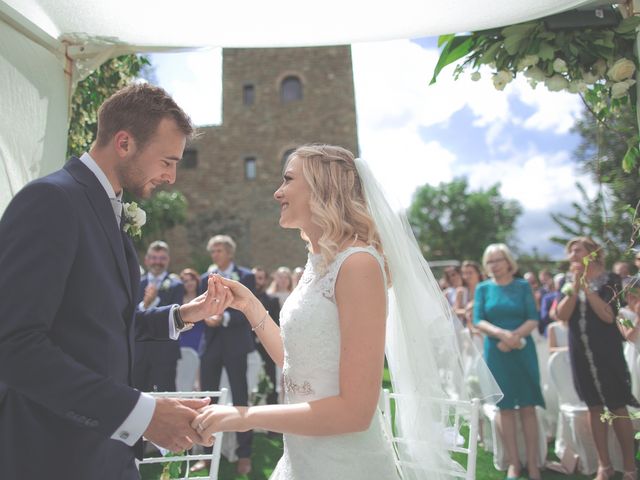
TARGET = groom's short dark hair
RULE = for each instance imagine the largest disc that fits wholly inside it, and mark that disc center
(138, 108)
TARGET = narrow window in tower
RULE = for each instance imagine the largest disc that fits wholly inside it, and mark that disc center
(248, 94)
(250, 168)
(189, 158)
(290, 89)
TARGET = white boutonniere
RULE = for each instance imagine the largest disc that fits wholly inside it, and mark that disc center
(134, 219)
(235, 277)
(165, 284)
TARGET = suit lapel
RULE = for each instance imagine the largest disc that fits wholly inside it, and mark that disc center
(104, 212)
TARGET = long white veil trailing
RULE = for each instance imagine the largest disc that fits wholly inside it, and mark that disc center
(424, 343)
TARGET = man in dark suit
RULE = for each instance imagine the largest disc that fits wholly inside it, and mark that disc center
(155, 362)
(272, 305)
(228, 340)
(69, 277)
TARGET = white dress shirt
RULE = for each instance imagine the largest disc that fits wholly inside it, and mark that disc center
(138, 420)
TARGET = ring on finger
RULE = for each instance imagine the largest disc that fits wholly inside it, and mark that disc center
(200, 427)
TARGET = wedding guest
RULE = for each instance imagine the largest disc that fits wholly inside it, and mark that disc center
(271, 305)
(471, 275)
(505, 312)
(629, 324)
(622, 269)
(282, 285)
(535, 287)
(547, 313)
(545, 277)
(191, 282)
(227, 341)
(588, 305)
(457, 293)
(154, 369)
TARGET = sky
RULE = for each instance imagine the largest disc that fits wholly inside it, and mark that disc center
(414, 134)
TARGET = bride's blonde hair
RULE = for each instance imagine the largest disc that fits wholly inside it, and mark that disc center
(337, 202)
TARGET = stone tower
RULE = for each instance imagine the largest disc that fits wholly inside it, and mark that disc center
(273, 100)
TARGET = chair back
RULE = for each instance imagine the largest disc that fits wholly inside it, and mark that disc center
(189, 457)
(455, 413)
(562, 379)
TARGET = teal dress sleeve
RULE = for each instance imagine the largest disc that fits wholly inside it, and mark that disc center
(478, 304)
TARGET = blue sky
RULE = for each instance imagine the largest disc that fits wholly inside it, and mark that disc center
(412, 133)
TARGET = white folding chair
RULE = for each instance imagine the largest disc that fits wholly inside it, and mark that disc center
(574, 430)
(187, 369)
(453, 414)
(188, 457)
(493, 440)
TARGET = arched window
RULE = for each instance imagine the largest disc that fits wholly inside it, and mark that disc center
(290, 89)
(248, 94)
(250, 168)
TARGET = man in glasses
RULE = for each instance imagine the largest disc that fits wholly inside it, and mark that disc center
(155, 362)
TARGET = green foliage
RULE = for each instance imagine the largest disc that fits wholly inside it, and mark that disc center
(607, 224)
(451, 222)
(95, 89)
(598, 63)
(164, 211)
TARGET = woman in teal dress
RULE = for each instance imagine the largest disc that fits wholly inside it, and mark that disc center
(505, 311)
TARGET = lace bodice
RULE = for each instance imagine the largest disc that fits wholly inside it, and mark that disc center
(310, 330)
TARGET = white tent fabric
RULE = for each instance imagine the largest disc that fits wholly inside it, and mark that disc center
(39, 39)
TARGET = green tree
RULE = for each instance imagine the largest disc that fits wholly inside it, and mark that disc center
(164, 211)
(610, 217)
(451, 222)
(95, 89)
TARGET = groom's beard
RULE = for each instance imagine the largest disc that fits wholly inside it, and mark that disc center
(133, 178)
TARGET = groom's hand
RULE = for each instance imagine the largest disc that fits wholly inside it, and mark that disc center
(210, 303)
(170, 425)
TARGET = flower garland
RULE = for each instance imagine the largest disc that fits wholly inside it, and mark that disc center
(599, 64)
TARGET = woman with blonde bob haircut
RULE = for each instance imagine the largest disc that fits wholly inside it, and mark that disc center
(333, 331)
(505, 311)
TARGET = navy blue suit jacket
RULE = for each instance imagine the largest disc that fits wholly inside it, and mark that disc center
(171, 292)
(69, 279)
(236, 338)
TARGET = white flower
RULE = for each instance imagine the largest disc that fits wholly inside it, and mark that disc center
(501, 79)
(589, 78)
(556, 83)
(134, 219)
(527, 61)
(165, 284)
(577, 86)
(560, 66)
(621, 70)
(620, 89)
(599, 67)
(475, 76)
(535, 74)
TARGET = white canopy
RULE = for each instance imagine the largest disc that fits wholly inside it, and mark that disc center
(48, 45)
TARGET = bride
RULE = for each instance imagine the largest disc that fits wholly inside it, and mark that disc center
(334, 328)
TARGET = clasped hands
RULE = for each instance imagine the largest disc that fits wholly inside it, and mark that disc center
(509, 341)
(174, 424)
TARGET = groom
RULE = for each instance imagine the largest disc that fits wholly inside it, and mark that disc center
(69, 277)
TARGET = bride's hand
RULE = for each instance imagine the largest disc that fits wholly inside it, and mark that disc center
(219, 418)
(210, 303)
(241, 297)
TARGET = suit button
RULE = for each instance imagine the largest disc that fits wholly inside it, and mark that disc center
(124, 435)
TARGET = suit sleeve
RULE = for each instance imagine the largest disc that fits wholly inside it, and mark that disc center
(39, 237)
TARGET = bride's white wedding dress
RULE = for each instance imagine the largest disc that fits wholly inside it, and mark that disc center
(310, 331)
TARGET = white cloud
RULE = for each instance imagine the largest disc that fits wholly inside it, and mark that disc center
(194, 79)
